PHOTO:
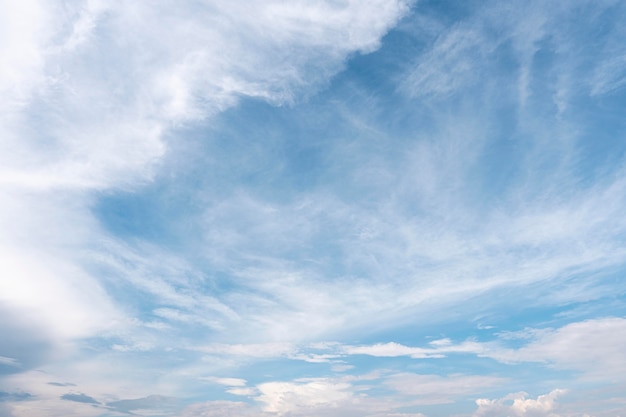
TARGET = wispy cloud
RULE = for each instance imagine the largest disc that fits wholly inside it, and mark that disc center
(592, 346)
(90, 90)
(197, 197)
(4, 360)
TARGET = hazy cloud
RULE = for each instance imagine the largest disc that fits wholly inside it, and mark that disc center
(80, 398)
(152, 402)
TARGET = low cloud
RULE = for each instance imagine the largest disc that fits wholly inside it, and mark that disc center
(518, 405)
(594, 347)
(295, 398)
(346, 396)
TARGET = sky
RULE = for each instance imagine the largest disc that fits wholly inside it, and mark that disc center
(312, 208)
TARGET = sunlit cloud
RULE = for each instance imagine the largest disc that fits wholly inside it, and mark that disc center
(518, 405)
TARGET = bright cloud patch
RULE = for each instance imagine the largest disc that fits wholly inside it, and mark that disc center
(517, 405)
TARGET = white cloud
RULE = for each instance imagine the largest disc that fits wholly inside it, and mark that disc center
(89, 90)
(456, 249)
(247, 392)
(593, 347)
(40, 253)
(319, 396)
(341, 396)
(286, 398)
(322, 397)
(268, 350)
(517, 405)
(338, 367)
(236, 386)
(255, 350)
(440, 349)
(315, 357)
(22, 38)
(348, 395)
(231, 382)
(161, 85)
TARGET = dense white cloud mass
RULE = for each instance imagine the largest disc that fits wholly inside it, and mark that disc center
(380, 208)
(517, 405)
(289, 398)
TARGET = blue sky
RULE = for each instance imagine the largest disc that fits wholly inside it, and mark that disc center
(309, 208)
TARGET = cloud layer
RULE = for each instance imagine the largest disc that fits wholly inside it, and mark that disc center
(382, 208)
